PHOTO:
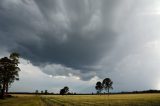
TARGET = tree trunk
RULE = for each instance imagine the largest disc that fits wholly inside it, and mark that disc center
(2, 94)
(108, 98)
(108, 90)
(6, 88)
(2, 91)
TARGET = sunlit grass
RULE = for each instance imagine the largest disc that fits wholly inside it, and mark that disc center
(104, 100)
(22, 100)
(83, 100)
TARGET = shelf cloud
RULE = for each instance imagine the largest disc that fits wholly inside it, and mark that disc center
(84, 38)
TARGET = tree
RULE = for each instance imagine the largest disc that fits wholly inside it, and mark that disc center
(36, 92)
(45, 92)
(8, 71)
(99, 87)
(64, 90)
(14, 57)
(107, 84)
(42, 92)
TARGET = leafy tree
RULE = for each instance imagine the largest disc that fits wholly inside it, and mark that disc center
(64, 90)
(107, 84)
(99, 87)
(8, 71)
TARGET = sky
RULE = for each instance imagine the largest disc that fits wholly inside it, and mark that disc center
(76, 43)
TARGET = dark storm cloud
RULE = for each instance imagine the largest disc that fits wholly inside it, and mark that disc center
(85, 38)
(73, 33)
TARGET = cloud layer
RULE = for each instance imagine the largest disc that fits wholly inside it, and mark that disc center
(54, 31)
(73, 33)
(85, 39)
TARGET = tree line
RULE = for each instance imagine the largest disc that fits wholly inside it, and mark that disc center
(106, 84)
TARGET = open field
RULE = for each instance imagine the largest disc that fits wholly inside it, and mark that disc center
(112, 100)
(22, 100)
(84, 100)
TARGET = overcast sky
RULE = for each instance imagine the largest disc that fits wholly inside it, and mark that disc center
(76, 43)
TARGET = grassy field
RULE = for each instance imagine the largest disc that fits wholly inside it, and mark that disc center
(22, 100)
(112, 100)
(84, 100)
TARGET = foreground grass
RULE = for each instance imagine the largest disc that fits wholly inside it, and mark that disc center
(83, 100)
(22, 100)
(112, 100)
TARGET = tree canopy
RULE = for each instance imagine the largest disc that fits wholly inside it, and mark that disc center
(9, 71)
(99, 87)
(65, 90)
(106, 84)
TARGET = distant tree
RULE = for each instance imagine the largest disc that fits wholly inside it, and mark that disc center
(42, 92)
(45, 92)
(65, 90)
(62, 91)
(36, 92)
(99, 87)
(107, 84)
(8, 71)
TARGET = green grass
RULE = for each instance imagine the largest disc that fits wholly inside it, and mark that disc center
(83, 100)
